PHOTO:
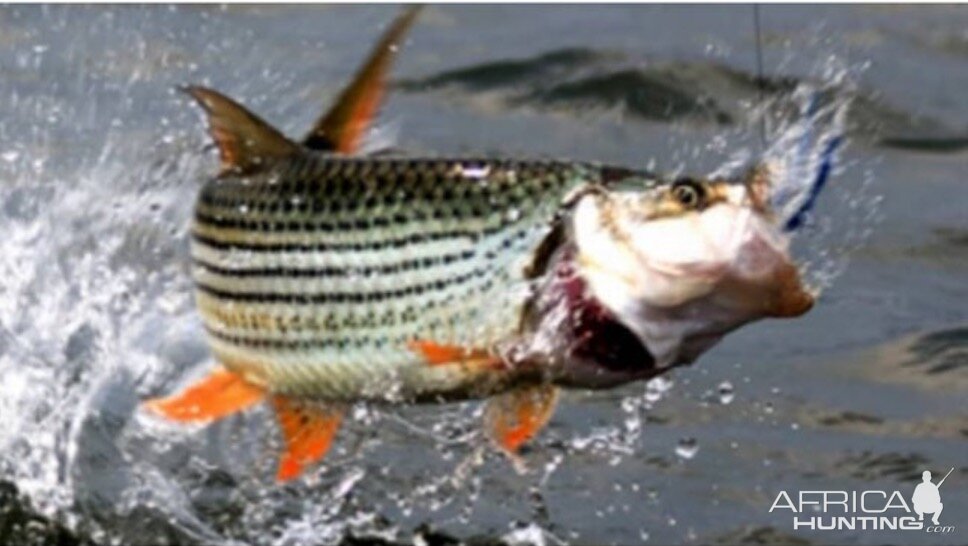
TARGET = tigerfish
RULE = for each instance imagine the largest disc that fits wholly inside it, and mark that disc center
(325, 277)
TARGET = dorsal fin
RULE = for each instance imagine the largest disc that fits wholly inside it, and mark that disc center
(342, 127)
(243, 139)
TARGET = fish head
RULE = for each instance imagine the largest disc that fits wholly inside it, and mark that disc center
(682, 263)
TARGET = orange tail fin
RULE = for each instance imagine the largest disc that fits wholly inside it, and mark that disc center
(308, 432)
(218, 395)
(515, 417)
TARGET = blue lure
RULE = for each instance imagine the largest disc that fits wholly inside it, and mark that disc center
(824, 168)
(823, 174)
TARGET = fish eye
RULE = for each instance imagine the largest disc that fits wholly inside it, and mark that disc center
(688, 193)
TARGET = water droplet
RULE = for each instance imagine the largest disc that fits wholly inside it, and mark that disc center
(656, 388)
(726, 393)
(687, 448)
(532, 535)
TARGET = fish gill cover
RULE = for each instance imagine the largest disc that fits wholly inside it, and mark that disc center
(96, 310)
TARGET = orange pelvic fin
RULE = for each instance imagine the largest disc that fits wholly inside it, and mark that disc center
(341, 129)
(308, 431)
(515, 417)
(218, 395)
(437, 355)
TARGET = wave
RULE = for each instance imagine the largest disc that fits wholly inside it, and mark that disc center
(579, 81)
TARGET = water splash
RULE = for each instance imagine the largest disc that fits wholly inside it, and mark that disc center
(828, 200)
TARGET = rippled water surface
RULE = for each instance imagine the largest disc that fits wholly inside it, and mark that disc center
(100, 160)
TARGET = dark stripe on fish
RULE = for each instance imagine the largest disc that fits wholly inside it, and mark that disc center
(268, 223)
(343, 297)
(342, 342)
(350, 271)
(399, 242)
(254, 320)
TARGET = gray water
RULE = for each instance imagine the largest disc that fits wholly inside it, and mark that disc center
(100, 159)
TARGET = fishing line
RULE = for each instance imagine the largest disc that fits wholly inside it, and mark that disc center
(759, 71)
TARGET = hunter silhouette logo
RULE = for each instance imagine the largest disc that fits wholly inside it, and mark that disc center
(927, 497)
(871, 510)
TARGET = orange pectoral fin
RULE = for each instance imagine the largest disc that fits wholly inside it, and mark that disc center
(218, 395)
(436, 354)
(515, 417)
(308, 431)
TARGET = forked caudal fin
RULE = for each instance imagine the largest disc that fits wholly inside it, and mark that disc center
(308, 430)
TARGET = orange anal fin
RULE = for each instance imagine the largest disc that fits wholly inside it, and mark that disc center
(220, 394)
(436, 354)
(341, 129)
(516, 416)
(308, 431)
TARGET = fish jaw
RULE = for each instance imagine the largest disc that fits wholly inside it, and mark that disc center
(683, 283)
(572, 338)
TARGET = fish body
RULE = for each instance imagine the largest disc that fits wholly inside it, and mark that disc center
(325, 278)
(314, 277)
